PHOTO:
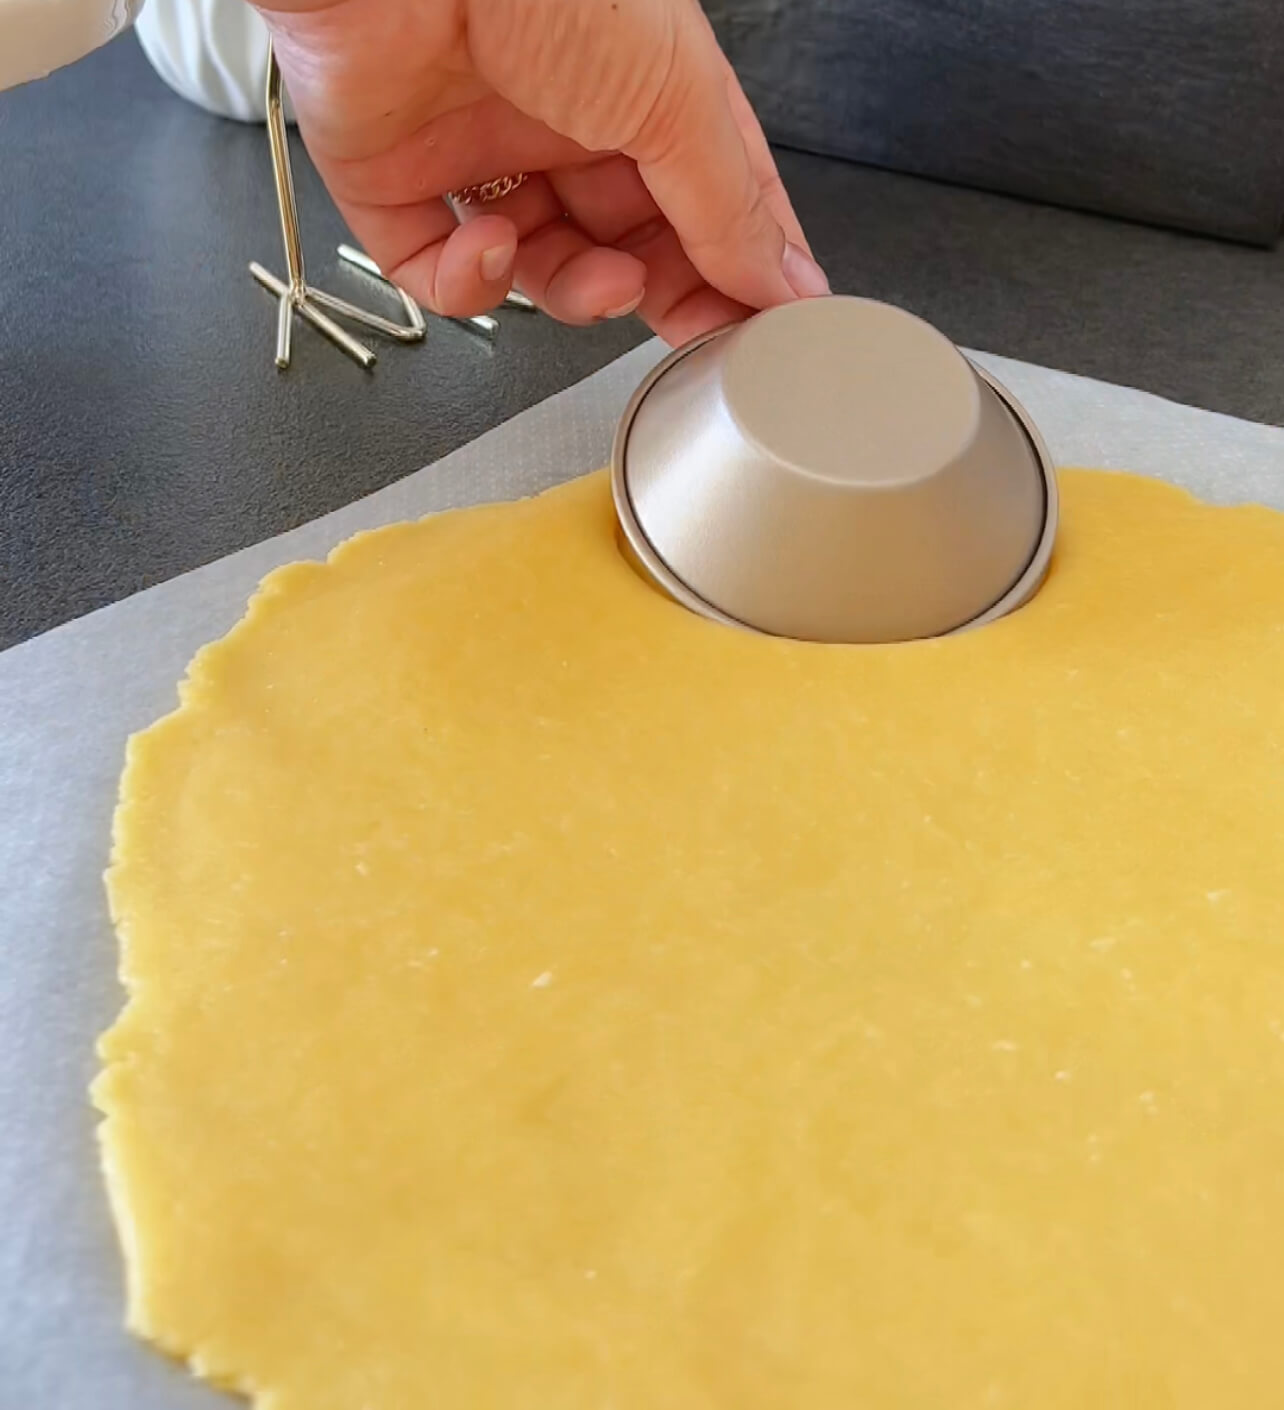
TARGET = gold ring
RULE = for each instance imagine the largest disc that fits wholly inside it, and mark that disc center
(486, 191)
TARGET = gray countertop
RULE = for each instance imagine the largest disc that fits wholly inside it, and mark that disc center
(144, 431)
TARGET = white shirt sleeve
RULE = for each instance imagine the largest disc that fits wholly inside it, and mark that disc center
(211, 52)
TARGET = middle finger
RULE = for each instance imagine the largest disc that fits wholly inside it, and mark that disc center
(610, 202)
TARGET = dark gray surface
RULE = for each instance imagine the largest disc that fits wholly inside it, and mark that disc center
(143, 430)
(1170, 111)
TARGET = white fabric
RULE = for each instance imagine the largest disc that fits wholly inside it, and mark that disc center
(38, 36)
(212, 52)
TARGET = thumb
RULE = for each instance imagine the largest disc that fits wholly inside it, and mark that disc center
(691, 151)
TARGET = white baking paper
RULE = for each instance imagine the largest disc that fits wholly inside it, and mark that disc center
(69, 699)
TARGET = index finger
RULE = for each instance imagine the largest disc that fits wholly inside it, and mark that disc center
(693, 156)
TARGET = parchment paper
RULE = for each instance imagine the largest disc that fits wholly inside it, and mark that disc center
(69, 699)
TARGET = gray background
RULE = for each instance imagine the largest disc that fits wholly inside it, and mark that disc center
(1164, 110)
(143, 430)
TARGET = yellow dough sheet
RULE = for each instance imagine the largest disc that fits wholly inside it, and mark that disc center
(543, 999)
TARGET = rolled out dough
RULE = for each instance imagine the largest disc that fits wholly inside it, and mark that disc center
(541, 999)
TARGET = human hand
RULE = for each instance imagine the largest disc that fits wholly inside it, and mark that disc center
(650, 183)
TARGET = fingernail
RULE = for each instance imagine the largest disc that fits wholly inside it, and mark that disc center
(496, 262)
(625, 309)
(803, 275)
